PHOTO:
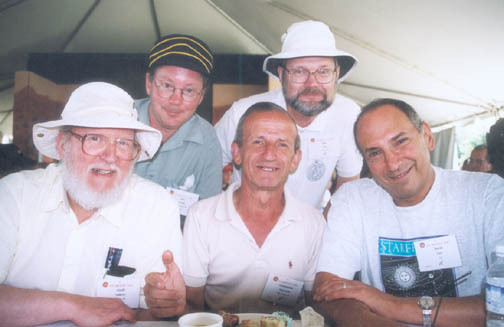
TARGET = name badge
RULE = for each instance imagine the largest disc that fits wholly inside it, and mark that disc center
(437, 253)
(185, 199)
(321, 147)
(282, 290)
(125, 288)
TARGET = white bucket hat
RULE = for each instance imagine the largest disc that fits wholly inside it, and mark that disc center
(97, 105)
(309, 39)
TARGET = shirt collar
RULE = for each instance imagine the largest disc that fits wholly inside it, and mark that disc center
(55, 196)
(226, 207)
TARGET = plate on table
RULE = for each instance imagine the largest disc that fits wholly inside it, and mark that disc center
(257, 318)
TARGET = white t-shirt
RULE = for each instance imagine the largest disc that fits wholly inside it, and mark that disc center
(367, 232)
(222, 255)
(327, 143)
(42, 245)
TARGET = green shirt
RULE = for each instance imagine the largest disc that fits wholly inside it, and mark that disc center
(189, 160)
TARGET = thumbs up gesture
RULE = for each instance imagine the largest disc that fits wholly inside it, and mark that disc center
(165, 293)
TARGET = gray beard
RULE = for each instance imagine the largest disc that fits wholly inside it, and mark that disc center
(78, 190)
(308, 109)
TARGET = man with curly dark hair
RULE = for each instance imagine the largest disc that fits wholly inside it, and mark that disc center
(495, 147)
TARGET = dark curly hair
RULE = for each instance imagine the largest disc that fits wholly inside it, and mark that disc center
(495, 147)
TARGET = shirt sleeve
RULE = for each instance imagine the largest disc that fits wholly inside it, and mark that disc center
(350, 162)
(494, 214)
(9, 225)
(341, 243)
(195, 250)
(211, 178)
(317, 232)
(226, 129)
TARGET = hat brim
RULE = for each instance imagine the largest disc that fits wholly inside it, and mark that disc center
(345, 60)
(44, 134)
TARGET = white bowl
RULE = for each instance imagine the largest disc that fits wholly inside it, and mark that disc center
(200, 319)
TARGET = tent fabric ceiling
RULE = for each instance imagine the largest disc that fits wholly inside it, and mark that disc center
(443, 57)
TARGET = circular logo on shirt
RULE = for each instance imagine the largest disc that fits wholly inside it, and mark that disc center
(105, 284)
(316, 170)
(405, 277)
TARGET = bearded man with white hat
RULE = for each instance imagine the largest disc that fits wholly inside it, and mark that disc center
(79, 238)
(309, 68)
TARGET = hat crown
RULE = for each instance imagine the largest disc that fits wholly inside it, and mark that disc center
(308, 35)
(99, 98)
(184, 51)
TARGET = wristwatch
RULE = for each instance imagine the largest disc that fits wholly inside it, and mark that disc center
(426, 303)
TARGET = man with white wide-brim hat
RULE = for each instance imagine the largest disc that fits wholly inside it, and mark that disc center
(309, 68)
(80, 238)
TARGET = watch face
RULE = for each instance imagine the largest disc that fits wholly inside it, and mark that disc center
(426, 302)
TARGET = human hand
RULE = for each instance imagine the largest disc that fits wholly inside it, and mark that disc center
(98, 311)
(165, 293)
(330, 287)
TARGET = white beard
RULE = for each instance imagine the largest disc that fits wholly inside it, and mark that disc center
(79, 191)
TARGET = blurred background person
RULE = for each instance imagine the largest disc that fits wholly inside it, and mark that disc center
(495, 146)
(478, 160)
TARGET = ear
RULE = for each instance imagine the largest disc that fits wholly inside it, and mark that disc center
(337, 73)
(202, 96)
(235, 150)
(148, 84)
(60, 144)
(295, 161)
(428, 137)
(280, 70)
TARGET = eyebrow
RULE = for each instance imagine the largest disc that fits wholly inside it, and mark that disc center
(398, 136)
(395, 138)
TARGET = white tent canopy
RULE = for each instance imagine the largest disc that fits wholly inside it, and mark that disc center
(443, 57)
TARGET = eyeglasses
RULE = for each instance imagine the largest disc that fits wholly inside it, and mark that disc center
(301, 75)
(96, 144)
(166, 90)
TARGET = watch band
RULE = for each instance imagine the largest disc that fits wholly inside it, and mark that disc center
(427, 318)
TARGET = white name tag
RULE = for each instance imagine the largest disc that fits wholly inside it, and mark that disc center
(185, 199)
(125, 288)
(437, 253)
(282, 290)
(321, 147)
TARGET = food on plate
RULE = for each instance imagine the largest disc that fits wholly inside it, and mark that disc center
(273, 322)
(229, 320)
(249, 323)
(276, 319)
(310, 318)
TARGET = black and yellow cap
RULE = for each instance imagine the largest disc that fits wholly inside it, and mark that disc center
(184, 51)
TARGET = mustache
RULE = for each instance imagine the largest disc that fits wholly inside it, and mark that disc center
(312, 90)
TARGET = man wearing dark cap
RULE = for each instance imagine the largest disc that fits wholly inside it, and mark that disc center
(310, 67)
(188, 162)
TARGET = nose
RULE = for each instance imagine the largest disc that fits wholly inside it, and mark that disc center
(269, 151)
(311, 79)
(109, 154)
(176, 96)
(393, 160)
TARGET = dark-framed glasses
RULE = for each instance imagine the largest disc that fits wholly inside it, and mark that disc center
(166, 90)
(96, 144)
(301, 75)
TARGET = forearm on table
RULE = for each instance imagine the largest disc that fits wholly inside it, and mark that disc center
(23, 307)
(351, 313)
(461, 311)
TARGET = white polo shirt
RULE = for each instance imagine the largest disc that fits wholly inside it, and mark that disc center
(42, 245)
(326, 144)
(221, 254)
